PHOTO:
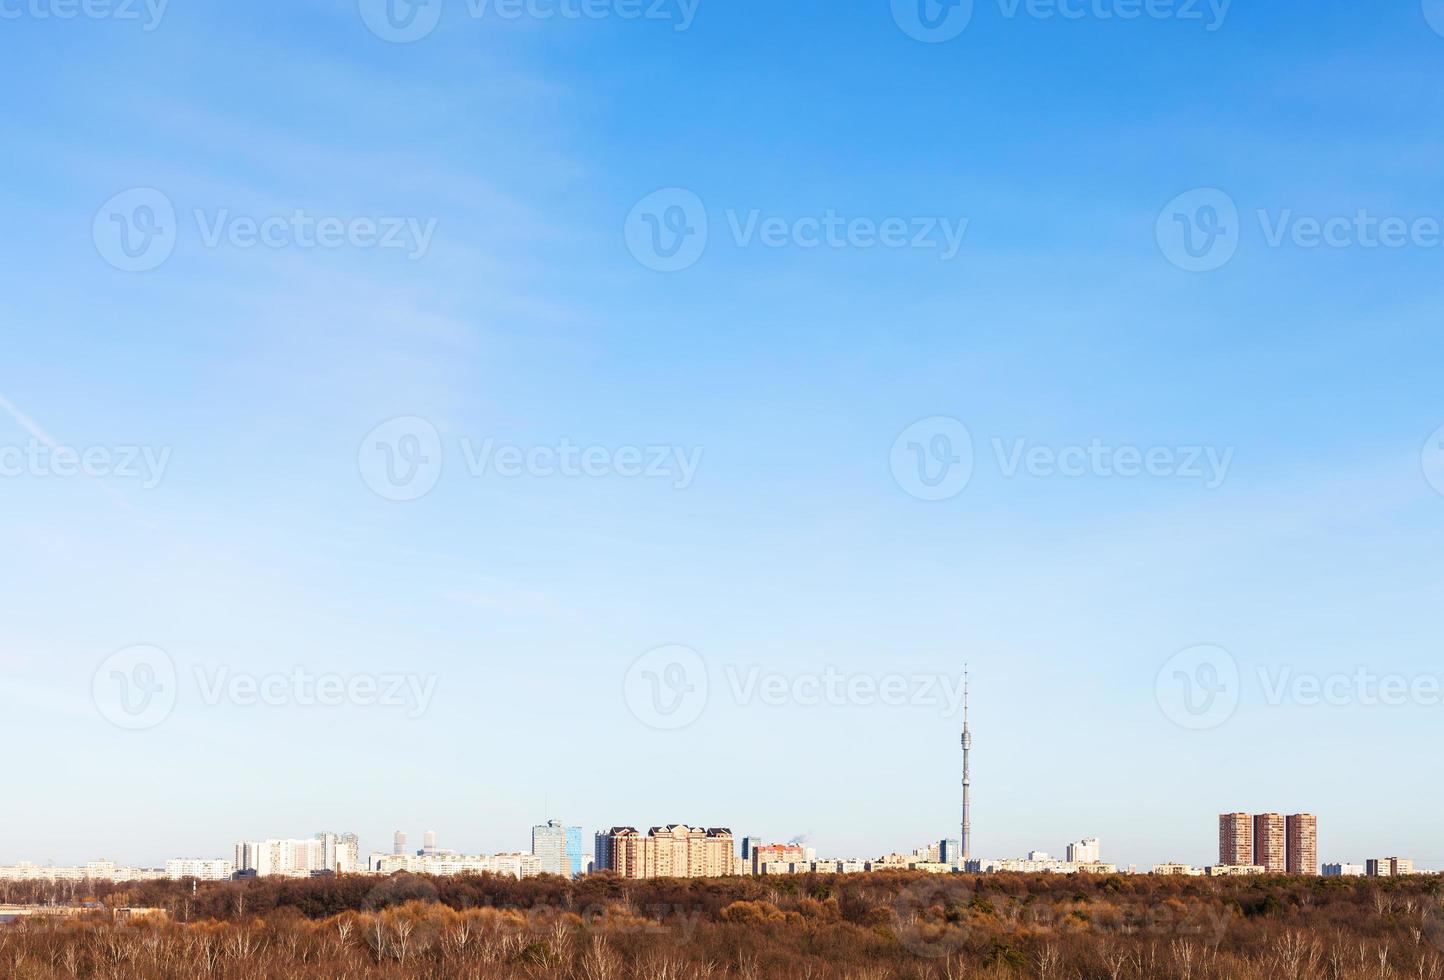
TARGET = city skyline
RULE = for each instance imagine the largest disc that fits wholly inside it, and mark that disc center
(1107, 426)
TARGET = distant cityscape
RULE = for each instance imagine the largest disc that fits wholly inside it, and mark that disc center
(1257, 844)
(1262, 844)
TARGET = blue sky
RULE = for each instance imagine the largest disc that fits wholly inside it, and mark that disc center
(795, 547)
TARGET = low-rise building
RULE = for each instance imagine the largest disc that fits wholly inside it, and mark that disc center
(202, 869)
(445, 865)
(1176, 869)
(1344, 870)
(1391, 867)
(91, 871)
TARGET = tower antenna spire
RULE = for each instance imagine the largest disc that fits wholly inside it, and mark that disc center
(966, 842)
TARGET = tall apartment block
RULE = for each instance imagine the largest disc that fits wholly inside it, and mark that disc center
(398, 842)
(559, 848)
(340, 853)
(1270, 842)
(296, 858)
(1235, 840)
(675, 851)
(1302, 833)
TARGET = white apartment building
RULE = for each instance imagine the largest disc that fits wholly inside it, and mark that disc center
(1177, 869)
(1086, 851)
(513, 865)
(1390, 867)
(1344, 871)
(287, 858)
(340, 853)
(1234, 870)
(201, 869)
(91, 871)
(1038, 862)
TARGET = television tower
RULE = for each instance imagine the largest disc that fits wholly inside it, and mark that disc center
(966, 843)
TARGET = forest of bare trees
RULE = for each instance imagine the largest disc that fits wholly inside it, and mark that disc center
(900, 925)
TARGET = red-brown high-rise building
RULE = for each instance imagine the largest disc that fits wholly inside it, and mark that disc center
(674, 851)
(1270, 843)
(1235, 839)
(1303, 844)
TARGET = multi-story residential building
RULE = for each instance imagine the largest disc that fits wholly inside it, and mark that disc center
(747, 844)
(398, 842)
(428, 843)
(340, 853)
(446, 864)
(1391, 867)
(1302, 844)
(931, 853)
(201, 869)
(1344, 870)
(1235, 840)
(290, 858)
(781, 855)
(950, 852)
(1037, 863)
(576, 857)
(558, 847)
(1086, 851)
(91, 871)
(1233, 870)
(675, 851)
(1176, 869)
(1270, 848)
